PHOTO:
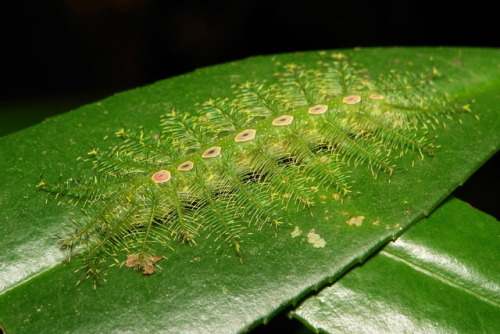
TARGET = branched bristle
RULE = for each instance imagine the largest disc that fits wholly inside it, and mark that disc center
(223, 118)
(258, 100)
(301, 86)
(188, 132)
(341, 77)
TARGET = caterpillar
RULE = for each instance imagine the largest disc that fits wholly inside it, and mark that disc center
(243, 160)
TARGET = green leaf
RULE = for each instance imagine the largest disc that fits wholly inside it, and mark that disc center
(205, 288)
(439, 277)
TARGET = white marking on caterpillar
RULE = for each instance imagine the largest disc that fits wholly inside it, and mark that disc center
(245, 135)
(212, 152)
(318, 110)
(283, 120)
(376, 97)
(185, 166)
(352, 99)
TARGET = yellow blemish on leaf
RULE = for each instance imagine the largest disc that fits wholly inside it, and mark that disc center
(315, 239)
(356, 221)
(296, 232)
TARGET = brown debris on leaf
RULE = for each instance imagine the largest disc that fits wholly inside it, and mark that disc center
(146, 264)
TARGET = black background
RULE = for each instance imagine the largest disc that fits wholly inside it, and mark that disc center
(58, 54)
(58, 47)
(78, 51)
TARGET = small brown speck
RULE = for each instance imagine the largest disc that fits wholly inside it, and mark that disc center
(146, 264)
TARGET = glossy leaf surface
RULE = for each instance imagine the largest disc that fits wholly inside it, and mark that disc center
(439, 277)
(205, 288)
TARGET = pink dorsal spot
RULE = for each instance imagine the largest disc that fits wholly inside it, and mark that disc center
(318, 110)
(376, 97)
(352, 99)
(161, 176)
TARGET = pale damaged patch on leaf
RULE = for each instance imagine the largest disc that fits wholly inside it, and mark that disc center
(146, 264)
(315, 239)
(356, 221)
(296, 232)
